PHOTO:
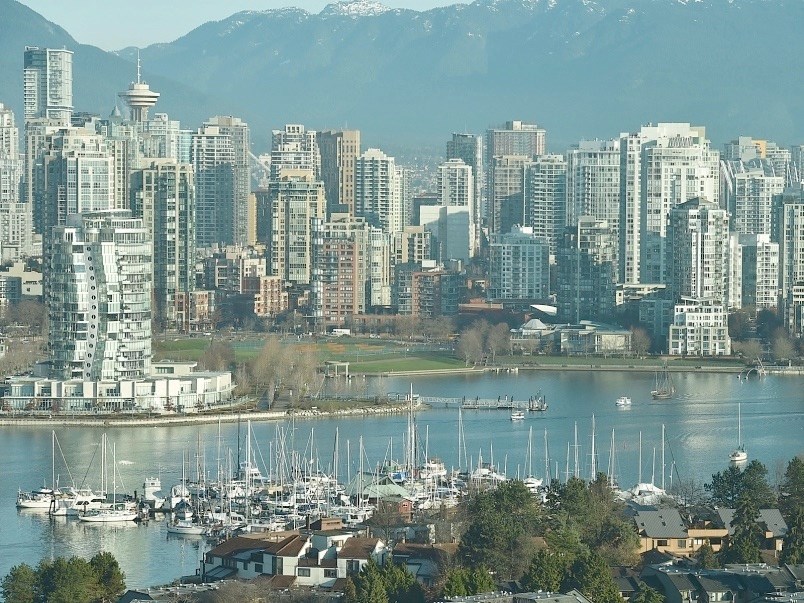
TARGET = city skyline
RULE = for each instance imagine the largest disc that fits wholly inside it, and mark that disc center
(178, 18)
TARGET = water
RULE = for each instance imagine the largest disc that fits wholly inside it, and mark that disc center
(701, 426)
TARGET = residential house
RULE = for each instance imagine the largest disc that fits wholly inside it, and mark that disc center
(666, 531)
(771, 521)
(424, 561)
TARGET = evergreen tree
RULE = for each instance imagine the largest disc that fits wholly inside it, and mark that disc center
(68, 581)
(370, 585)
(706, 557)
(401, 585)
(546, 572)
(791, 495)
(20, 585)
(455, 583)
(729, 485)
(646, 594)
(745, 542)
(793, 547)
(591, 575)
(111, 579)
(479, 580)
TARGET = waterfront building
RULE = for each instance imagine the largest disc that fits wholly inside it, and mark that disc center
(294, 148)
(48, 84)
(99, 298)
(220, 158)
(700, 327)
(660, 167)
(339, 151)
(747, 191)
(519, 266)
(586, 271)
(163, 197)
(340, 268)
(271, 298)
(297, 199)
(698, 251)
(381, 191)
(469, 149)
(505, 192)
(426, 290)
(545, 196)
(755, 271)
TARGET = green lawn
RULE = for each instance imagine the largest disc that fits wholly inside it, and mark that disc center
(428, 361)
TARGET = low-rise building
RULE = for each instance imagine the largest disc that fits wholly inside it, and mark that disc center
(700, 327)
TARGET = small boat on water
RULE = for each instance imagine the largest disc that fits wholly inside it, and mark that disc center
(623, 401)
(116, 513)
(517, 415)
(739, 454)
(185, 527)
(664, 389)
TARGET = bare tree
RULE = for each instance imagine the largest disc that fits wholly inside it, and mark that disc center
(470, 346)
(783, 348)
(219, 356)
(640, 341)
(498, 340)
(750, 349)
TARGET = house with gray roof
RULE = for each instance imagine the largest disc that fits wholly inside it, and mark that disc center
(666, 531)
(774, 527)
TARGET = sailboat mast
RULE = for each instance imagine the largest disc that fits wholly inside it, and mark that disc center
(594, 464)
(639, 480)
(547, 459)
(663, 465)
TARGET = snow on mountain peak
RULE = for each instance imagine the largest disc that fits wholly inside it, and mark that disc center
(355, 8)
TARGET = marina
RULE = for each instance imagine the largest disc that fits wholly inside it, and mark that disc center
(699, 425)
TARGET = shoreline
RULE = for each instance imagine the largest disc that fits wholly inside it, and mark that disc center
(796, 371)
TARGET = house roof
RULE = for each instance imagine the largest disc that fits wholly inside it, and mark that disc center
(771, 518)
(719, 583)
(240, 543)
(661, 523)
(682, 581)
(358, 548)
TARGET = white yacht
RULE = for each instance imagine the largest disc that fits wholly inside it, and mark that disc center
(117, 513)
(622, 401)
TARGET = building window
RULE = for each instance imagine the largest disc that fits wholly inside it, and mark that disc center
(304, 572)
(682, 544)
(330, 573)
(661, 543)
(258, 568)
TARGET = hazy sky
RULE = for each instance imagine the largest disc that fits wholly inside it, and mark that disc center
(114, 25)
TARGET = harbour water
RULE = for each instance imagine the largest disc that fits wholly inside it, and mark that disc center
(700, 423)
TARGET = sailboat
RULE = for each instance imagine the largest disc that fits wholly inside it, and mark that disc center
(664, 386)
(739, 455)
(118, 511)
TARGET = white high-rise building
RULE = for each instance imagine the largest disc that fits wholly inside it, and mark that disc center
(788, 231)
(593, 182)
(295, 148)
(99, 298)
(698, 251)
(756, 270)
(660, 167)
(455, 186)
(747, 191)
(469, 148)
(545, 197)
(519, 266)
(48, 84)
(699, 328)
(381, 191)
(16, 231)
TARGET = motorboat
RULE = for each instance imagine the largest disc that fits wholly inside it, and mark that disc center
(117, 513)
(517, 415)
(622, 401)
(185, 527)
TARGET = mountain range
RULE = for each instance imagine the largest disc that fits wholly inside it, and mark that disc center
(579, 68)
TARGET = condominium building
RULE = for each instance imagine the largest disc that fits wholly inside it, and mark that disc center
(340, 268)
(412, 245)
(99, 298)
(455, 188)
(426, 291)
(545, 197)
(593, 182)
(698, 251)
(699, 328)
(788, 232)
(213, 159)
(586, 271)
(747, 191)
(16, 230)
(48, 84)
(660, 167)
(469, 149)
(505, 192)
(236, 215)
(297, 200)
(381, 190)
(339, 151)
(450, 229)
(163, 197)
(758, 266)
(380, 268)
(519, 266)
(296, 148)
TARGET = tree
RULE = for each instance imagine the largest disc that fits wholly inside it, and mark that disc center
(744, 544)
(479, 580)
(782, 346)
(219, 356)
(20, 585)
(640, 341)
(68, 580)
(729, 485)
(546, 571)
(791, 490)
(768, 322)
(740, 325)
(455, 583)
(793, 547)
(706, 557)
(401, 585)
(470, 346)
(750, 350)
(646, 594)
(591, 575)
(369, 585)
(111, 578)
(498, 340)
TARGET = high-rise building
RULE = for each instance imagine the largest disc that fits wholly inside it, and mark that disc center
(746, 149)
(545, 197)
(698, 251)
(450, 230)
(797, 158)
(298, 200)
(16, 231)
(747, 191)
(586, 272)
(455, 186)
(381, 188)
(163, 138)
(237, 130)
(506, 205)
(469, 149)
(48, 84)
(340, 268)
(339, 152)
(426, 291)
(213, 159)
(381, 269)
(99, 298)
(593, 182)
(163, 197)
(519, 266)
(758, 266)
(788, 232)
(660, 167)
(295, 148)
